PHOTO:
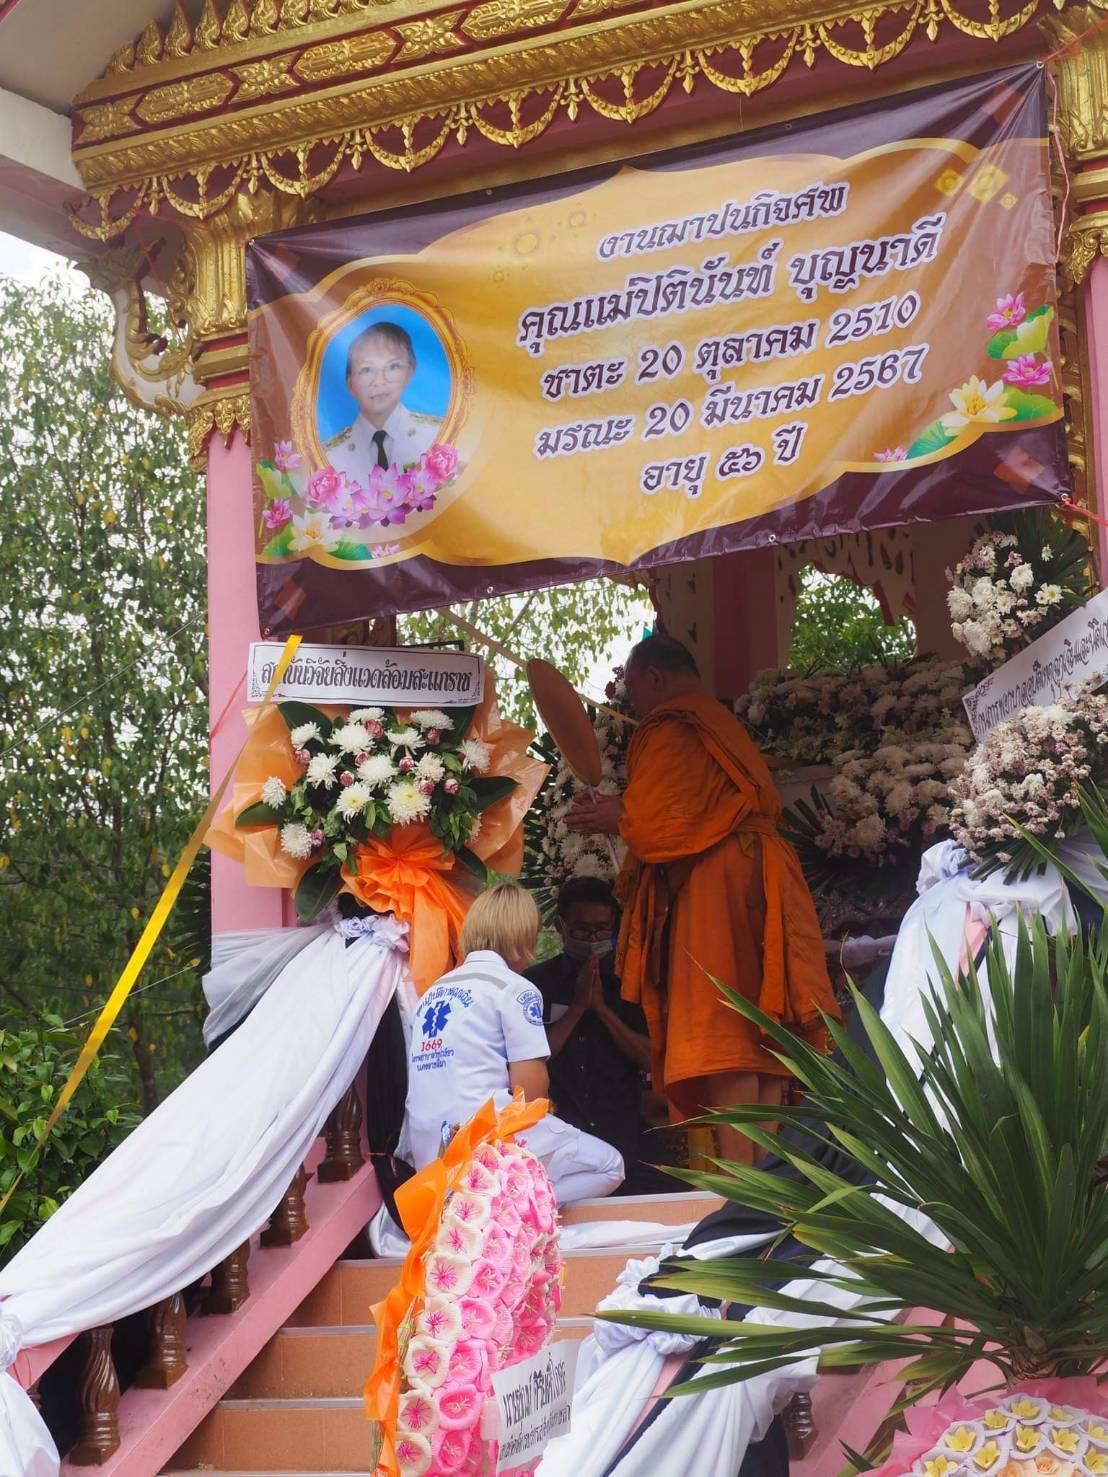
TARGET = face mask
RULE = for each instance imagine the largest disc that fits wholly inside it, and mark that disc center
(581, 949)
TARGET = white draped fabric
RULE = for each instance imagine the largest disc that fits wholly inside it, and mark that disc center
(711, 1432)
(206, 1169)
(386, 1239)
(244, 965)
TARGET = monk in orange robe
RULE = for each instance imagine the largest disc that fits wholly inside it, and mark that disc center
(710, 889)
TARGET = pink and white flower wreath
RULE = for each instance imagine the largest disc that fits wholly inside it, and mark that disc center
(493, 1291)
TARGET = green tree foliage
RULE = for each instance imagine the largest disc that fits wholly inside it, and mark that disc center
(103, 731)
(839, 627)
(569, 625)
(34, 1063)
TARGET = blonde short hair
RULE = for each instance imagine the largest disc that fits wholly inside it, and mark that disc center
(503, 919)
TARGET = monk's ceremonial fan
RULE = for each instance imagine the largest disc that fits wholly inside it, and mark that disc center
(563, 712)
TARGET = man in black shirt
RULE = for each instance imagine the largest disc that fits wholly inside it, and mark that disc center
(599, 1049)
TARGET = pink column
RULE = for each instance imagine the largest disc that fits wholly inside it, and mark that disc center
(1096, 330)
(747, 641)
(232, 625)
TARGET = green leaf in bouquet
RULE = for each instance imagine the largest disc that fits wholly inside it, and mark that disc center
(489, 790)
(258, 814)
(461, 718)
(296, 713)
(315, 890)
(1032, 334)
(473, 863)
(1029, 407)
(933, 437)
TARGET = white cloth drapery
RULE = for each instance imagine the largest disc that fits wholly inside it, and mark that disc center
(206, 1169)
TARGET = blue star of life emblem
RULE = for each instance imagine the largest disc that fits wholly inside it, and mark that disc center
(434, 1018)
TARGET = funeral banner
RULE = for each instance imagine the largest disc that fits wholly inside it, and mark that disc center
(846, 322)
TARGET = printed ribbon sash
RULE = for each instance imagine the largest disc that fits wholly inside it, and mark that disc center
(420, 1202)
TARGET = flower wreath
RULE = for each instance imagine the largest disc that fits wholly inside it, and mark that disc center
(1046, 1428)
(401, 807)
(480, 1290)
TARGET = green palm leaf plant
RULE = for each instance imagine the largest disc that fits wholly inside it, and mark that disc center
(996, 1145)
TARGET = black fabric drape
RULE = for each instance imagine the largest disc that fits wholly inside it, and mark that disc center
(386, 1088)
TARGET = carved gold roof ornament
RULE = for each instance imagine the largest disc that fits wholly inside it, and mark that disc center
(199, 271)
(1080, 41)
(285, 93)
(216, 132)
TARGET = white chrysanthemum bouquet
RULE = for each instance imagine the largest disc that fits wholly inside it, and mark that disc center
(881, 809)
(817, 717)
(1017, 582)
(1029, 772)
(363, 773)
(557, 853)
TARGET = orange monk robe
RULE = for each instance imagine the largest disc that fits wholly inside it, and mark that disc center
(700, 822)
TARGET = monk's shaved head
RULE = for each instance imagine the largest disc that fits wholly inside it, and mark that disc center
(658, 668)
(663, 653)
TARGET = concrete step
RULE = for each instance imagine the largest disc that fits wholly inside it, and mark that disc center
(328, 1363)
(297, 1408)
(346, 1293)
(295, 1436)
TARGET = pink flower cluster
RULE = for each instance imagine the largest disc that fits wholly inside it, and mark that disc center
(493, 1294)
(1010, 312)
(1027, 371)
(389, 497)
(1062, 1427)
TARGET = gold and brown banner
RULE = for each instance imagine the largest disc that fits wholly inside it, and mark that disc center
(845, 323)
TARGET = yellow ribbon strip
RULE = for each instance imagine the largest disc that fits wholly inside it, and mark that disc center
(142, 950)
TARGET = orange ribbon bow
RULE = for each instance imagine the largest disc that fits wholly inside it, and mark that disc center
(409, 874)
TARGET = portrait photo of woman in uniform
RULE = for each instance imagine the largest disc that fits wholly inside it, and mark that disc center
(384, 391)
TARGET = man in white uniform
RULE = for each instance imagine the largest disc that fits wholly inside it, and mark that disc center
(379, 368)
(478, 1033)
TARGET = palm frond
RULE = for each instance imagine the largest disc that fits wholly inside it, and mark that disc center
(969, 1184)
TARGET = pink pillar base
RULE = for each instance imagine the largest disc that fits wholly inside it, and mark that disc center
(232, 625)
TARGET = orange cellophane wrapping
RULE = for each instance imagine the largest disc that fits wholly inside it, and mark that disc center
(268, 752)
(408, 873)
(420, 1202)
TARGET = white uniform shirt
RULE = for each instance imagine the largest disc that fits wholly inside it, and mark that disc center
(408, 435)
(467, 1028)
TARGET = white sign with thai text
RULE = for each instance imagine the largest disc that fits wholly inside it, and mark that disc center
(402, 677)
(534, 1399)
(1071, 653)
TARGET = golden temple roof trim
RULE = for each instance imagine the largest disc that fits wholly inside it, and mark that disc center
(245, 106)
